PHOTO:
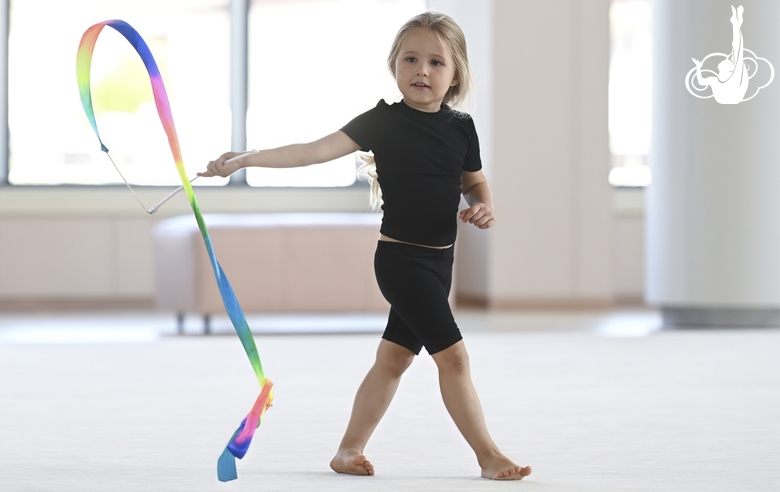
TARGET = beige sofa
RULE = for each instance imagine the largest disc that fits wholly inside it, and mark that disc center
(284, 262)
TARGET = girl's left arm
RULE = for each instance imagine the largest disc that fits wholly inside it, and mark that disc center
(477, 194)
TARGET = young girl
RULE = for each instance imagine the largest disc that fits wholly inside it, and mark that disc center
(425, 155)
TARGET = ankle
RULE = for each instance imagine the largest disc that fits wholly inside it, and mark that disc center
(350, 450)
(487, 455)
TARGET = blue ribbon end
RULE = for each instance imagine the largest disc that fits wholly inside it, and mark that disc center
(226, 467)
(236, 449)
(239, 450)
(103, 148)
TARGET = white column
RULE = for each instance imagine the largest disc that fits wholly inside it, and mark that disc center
(239, 41)
(713, 210)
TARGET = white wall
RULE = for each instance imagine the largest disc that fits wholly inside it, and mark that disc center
(476, 19)
(546, 98)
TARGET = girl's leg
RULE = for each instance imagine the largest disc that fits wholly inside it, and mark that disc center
(372, 399)
(462, 403)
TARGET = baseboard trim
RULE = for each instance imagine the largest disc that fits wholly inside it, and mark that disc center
(537, 304)
(630, 301)
(720, 317)
(463, 301)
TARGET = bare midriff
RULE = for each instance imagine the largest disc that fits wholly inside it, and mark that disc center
(382, 237)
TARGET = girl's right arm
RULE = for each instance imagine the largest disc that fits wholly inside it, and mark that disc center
(326, 149)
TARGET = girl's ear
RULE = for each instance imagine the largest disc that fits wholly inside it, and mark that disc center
(455, 81)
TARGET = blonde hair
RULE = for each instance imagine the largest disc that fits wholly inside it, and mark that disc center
(449, 33)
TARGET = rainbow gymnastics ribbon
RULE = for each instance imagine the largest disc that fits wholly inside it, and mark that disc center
(242, 437)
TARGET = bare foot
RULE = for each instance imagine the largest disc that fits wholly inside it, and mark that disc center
(500, 467)
(351, 461)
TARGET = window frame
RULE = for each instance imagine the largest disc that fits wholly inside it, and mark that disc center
(239, 70)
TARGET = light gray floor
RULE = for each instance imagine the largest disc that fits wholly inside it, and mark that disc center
(593, 401)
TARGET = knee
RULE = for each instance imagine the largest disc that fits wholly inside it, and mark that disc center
(453, 359)
(394, 360)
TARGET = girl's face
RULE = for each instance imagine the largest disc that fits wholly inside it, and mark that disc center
(424, 70)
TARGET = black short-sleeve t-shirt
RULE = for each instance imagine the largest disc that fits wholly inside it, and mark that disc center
(420, 158)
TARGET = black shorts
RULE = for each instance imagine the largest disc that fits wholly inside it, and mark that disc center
(416, 281)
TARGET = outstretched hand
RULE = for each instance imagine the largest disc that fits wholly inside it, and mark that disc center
(697, 62)
(480, 215)
(220, 166)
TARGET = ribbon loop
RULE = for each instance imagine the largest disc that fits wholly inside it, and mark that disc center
(239, 442)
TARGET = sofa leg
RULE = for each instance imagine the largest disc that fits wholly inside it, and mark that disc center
(207, 324)
(180, 322)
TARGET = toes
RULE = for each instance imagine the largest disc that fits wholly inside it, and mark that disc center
(362, 461)
(504, 473)
(355, 465)
(517, 472)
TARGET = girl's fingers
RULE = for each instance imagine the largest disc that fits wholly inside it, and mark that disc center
(470, 213)
(487, 224)
(216, 168)
(213, 169)
(479, 215)
(207, 173)
(484, 220)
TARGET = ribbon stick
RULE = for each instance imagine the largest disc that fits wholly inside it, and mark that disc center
(170, 195)
(239, 442)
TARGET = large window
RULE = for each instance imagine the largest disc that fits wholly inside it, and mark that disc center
(312, 64)
(630, 87)
(51, 141)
